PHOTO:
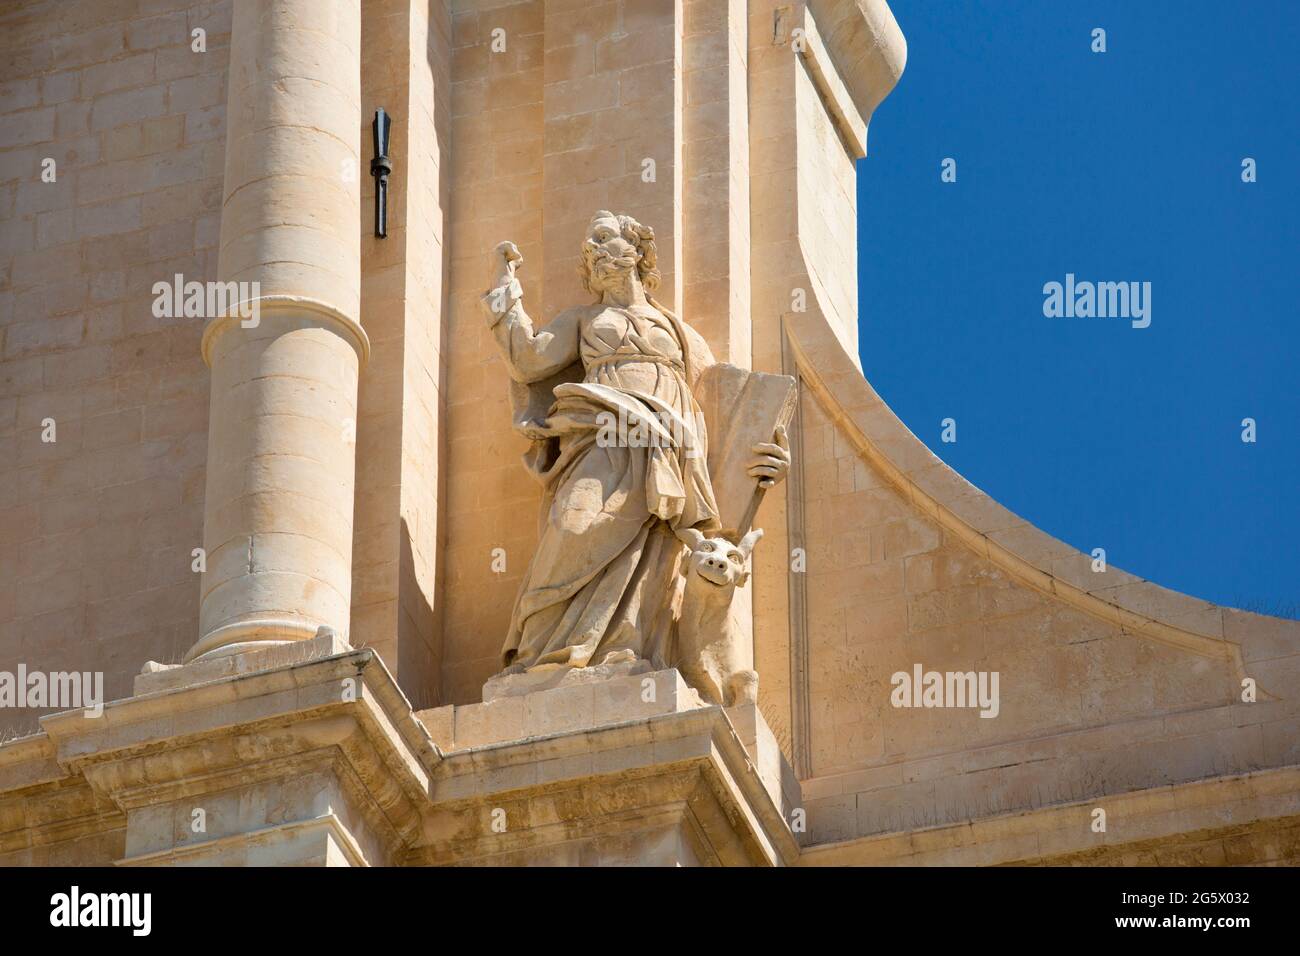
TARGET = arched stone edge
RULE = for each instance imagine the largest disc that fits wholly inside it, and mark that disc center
(866, 46)
(1024, 552)
(859, 45)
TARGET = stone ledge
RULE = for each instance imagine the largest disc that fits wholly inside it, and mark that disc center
(1182, 814)
(258, 748)
(289, 769)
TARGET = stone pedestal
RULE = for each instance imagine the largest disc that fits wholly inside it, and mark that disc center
(617, 765)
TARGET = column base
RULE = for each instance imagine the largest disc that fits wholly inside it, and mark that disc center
(244, 636)
(233, 660)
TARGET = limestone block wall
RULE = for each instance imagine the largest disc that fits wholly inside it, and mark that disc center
(496, 193)
(1240, 820)
(96, 528)
(715, 160)
(613, 92)
(809, 117)
(423, 446)
(516, 119)
(405, 69)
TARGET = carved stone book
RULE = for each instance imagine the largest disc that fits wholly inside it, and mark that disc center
(740, 409)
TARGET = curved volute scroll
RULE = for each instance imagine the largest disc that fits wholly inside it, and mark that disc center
(1027, 554)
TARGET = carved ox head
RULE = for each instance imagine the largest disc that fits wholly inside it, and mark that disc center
(717, 560)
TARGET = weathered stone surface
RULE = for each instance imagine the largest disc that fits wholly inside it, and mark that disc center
(535, 681)
(705, 120)
(156, 678)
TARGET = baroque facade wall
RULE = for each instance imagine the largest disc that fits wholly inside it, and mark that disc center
(733, 127)
(99, 525)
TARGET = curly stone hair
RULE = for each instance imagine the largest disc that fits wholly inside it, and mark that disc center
(642, 237)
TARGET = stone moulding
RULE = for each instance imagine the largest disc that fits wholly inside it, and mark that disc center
(1190, 823)
(229, 638)
(341, 718)
(864, 39)
(42, 807)
(329, 317)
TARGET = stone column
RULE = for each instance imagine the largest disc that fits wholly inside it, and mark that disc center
(281, 462)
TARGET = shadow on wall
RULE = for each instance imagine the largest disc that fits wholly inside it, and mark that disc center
(429, 694)
(419, 652)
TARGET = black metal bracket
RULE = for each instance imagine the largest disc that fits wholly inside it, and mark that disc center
(381, 167)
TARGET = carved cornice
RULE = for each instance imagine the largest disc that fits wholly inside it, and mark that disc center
(328, 822)
(686, 770)
(55, 812)
(343, 714)
(1158, 820)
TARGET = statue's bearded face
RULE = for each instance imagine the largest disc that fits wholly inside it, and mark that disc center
(609, 254)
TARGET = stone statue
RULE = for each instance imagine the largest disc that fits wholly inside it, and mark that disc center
(606, 394)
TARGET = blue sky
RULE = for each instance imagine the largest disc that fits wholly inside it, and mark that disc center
(1115, 166)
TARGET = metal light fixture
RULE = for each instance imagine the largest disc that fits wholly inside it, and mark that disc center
(380, 167)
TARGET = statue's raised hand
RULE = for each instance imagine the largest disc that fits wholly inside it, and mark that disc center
(505, 290)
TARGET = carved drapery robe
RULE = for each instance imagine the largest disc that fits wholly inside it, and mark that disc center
(605, 576)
